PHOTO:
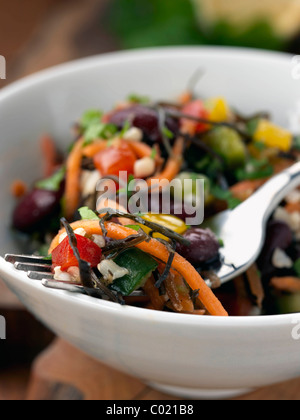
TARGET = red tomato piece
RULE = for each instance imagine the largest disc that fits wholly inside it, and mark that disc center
(194, 109)
(63, 256)
(115, 159)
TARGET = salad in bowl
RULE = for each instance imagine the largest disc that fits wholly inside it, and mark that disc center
(105, 215)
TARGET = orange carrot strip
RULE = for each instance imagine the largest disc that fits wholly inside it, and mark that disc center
(286, 284)
(158, 251)
(49, 152)
(185, 98)
(245, 189)
(92, 149)
(173, 165)
(72, 191)
(292, 208)
(179, 293)
(152, 292)
(18, 188)
(142, 150)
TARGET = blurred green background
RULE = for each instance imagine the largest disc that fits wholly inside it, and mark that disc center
(260, 24)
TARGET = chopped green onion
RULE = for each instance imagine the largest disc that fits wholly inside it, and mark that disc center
(87, 214)
(52, 183)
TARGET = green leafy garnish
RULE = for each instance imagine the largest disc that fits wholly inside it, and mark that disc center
(89, 118)
(252, 126)
(255, 169)
(87, 214)
(297, 267)
(138, 99)
(167, 133)
(225, 195)
(126, 189)
(296, 143)
(153, 153)
(92, 128)
(99, 131)
(126, 127)
(134, 227)
(52, 183)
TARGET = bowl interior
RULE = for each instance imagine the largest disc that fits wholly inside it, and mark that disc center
(50, 102)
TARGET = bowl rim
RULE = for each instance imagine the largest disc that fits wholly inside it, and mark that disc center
(129, 312)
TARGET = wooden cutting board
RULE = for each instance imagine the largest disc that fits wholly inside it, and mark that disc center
(65, 373)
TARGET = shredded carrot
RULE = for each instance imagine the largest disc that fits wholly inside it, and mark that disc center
(173, 164)
(199, 312)
(293, 207)
(72, 191)
(92, 149)
(244, 189)
(142, 150)
(185, 98)
(256, 285)
(50, 155)
(286, 284)
(18, 188)
(179, 293)
(158, 251)
(157, 301)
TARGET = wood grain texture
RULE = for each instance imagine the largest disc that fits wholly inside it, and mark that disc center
(63, 372)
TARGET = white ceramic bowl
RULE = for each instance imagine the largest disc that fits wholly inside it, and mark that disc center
(183, 354)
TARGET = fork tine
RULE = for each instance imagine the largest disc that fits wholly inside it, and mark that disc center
(39, 275)
(63, 286)
(14, 258)
(32, 267)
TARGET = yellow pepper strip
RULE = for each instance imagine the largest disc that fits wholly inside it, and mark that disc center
(171, 222)
(273, 136)
(218, 109)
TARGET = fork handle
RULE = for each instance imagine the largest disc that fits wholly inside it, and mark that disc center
(264, 201)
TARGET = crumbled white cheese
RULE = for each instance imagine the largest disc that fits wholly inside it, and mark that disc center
(133, 134)
(62, 275)
(79, 232)
(291, 219)
(144, 168)
(293, 197)
(99, 240)
(88, 182)
(281, 259)
(74, 272)
(111, 271)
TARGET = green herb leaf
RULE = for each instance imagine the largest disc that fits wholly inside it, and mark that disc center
(52, 183)
(125, 128)
(297, 267)
(167, 133)
(89, 118)
(225, 195)
(153, 153)
(135, 227)
(87, 214)
(296, 143)
(99, 131)
(255, 169)
(137, 99)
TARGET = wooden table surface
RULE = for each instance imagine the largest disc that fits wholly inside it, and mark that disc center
(51, 32)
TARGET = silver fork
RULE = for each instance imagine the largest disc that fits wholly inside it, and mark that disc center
(40, 269)
(243, 230)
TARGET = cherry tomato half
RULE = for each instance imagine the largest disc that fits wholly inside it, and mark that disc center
(198, 110)
(115, 159)
(63, 256)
